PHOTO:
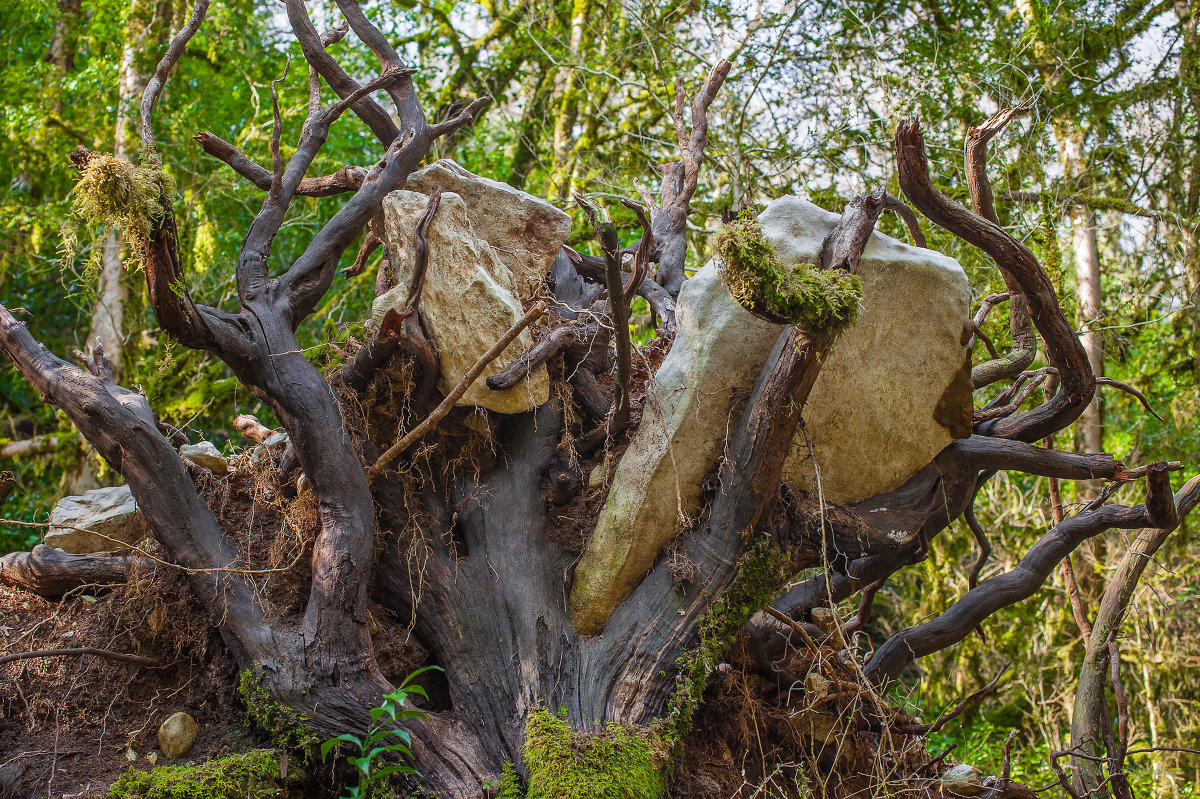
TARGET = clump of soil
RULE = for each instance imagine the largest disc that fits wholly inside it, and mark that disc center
(71, 725)
(820, 730)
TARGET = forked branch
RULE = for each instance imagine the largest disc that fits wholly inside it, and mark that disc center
(1024, 347)
(1029, 575)
(679, 179)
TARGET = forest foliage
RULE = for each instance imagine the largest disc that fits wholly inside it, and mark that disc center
(582, 104)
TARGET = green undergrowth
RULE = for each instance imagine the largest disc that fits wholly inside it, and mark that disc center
(616, 763)
(288, 729)
(823, 302)
(761, 573)
(251, 775)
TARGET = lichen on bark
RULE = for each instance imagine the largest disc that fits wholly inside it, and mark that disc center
(288, 729)
(760, 574)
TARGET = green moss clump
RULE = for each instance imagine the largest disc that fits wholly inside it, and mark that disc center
(823, 302)
(1047, 237)
(252, 775)
(114, 191)
(618, 763)
(761, 573)
(510, 784)
(288, 729)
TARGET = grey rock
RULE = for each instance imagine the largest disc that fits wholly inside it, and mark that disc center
(889, 397)
(963, 780)
(177, 734)
(467, 302)
(526, 231)
(895, 390)
(205, 455)
(276, 439)
(101, 520)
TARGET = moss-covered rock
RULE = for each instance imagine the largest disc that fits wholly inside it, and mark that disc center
(616, 763)
(823, 302)
(251, 775)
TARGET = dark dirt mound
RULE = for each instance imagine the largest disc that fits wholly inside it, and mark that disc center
(70, 725)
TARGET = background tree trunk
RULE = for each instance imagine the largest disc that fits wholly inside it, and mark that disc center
(147, 21)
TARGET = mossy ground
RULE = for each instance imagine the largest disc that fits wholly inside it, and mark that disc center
(251, 775)
(823, 302)
(617, 763)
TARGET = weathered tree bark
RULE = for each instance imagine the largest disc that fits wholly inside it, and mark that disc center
(61, 52)
(1089, 301)
(51, 573)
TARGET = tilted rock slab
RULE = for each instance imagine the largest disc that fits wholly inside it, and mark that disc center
(526, 231)
(112, 516)
(467, 303)
(893, 392)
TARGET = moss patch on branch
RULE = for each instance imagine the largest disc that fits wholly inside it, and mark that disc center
(761, 573)
(288, 729)
(617, 763)
(113, 191)
(823, 302)
(252, 775)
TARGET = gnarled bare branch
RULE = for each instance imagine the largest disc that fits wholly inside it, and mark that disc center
(1064, 351)
(1011, 587)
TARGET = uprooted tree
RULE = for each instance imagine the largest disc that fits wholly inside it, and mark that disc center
(461, 531)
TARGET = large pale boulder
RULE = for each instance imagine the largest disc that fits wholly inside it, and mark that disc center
(98, 521)
(467, 301)
(892, 393)
(896, 389)
(526, 231)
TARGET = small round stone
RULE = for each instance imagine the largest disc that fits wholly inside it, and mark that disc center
(177, 734)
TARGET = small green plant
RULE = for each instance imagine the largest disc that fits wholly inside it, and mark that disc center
(374, 747)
